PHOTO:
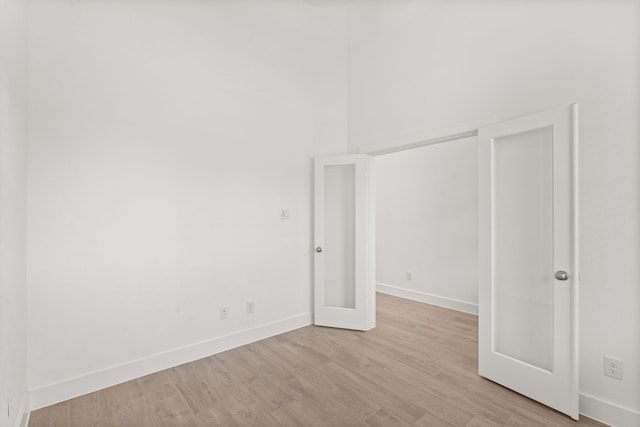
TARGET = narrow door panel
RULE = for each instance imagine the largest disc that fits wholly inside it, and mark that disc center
(344, 282)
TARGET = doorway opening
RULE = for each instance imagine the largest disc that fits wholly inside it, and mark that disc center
(427, 224)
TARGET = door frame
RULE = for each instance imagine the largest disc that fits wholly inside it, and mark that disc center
(470, 129)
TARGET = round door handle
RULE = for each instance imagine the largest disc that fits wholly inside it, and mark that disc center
(562, 275)
(318, 249)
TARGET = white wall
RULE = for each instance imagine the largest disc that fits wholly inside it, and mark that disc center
(165, 137)
(427, 224)
(13, 146)
(416, 67)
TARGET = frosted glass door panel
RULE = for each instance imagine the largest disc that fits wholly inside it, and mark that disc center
(339, 236)
(524, 267)
(528, 259)
(344, 255)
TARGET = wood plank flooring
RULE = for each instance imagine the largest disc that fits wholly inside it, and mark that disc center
(417, 368)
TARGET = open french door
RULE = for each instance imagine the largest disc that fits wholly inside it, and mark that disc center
(528, 295)
(344, 266)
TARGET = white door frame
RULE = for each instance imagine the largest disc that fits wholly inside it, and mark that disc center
(470, 130)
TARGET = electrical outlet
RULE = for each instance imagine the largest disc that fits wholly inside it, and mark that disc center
(409, 275)
(613, 367)
(251, 308)
(224, 313)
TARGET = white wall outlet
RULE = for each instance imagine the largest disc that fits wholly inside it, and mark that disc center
(409, 275)
(613, 367)
(285, 214)
(251, 307)
(224, 313)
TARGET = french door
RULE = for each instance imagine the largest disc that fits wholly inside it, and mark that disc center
(344, 266)
(528, 295)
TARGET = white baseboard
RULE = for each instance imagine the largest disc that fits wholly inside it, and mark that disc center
(607, 412)
(590, 406)
(74, 387)
(466, 307)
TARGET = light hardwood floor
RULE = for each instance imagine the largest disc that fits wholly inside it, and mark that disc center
(417, 368)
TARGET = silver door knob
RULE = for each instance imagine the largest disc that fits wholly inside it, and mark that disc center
(562, 275)
(318, 249)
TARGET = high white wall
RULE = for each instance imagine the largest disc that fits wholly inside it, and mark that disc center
(427, 224)
(165, 137)
(418, 67)
(13, 147)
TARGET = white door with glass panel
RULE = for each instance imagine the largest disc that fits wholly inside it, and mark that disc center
(528, 331)
(343, 242)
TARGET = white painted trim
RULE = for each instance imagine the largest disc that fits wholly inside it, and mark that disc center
(371, 243)
(24, 422)
(430, 136)
(23, 419)
(74, 387)
(453, 304)
(439, 135)
(607, 412)
(575, 259)
(425, 142)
